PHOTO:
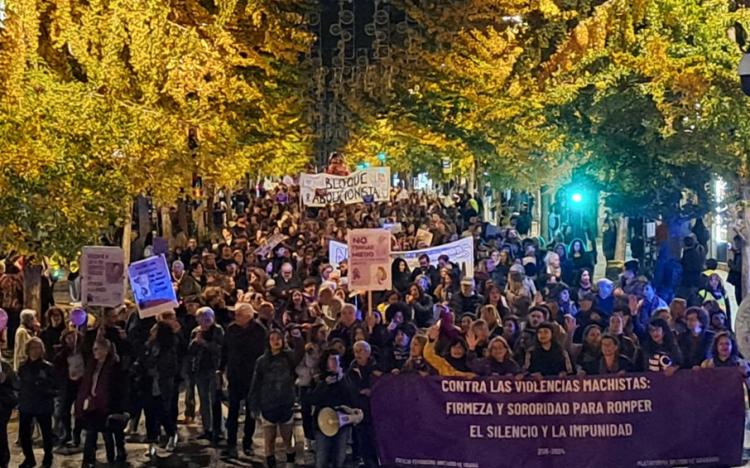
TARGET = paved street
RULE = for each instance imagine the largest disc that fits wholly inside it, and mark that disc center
(191, 453)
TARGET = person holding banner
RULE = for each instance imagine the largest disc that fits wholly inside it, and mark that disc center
(724, 353)
(547, 358)
(499, 361)
(659, 351)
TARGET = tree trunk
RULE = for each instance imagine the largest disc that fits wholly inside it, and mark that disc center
(166, 225)
(127, 233)
(144, 220)
(32, 288)
(182, 218)
(746, 244)
(544, 208)
(498, 208)
(622, 239)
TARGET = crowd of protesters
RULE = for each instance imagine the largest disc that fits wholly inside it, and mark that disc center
(273, 330)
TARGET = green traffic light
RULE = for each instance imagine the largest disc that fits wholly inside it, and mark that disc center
(577, 197)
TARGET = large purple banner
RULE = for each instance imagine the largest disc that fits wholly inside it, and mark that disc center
(641, 420)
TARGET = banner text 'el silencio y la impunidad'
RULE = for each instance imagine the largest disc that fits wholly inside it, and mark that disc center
(691, 418)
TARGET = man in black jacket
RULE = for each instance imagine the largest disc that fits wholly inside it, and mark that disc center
(244, 343)
(428, 270)
(361, 374)
(467, 301)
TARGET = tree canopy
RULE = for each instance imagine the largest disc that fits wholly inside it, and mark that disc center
(98, 98)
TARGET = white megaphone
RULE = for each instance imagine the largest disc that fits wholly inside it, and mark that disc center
(331, 420)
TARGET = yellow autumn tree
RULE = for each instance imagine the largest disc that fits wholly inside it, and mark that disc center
(469, 89)
(97, 99)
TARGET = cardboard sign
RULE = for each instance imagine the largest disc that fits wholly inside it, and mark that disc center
(370, 259)
(152, 287)
(102, 276)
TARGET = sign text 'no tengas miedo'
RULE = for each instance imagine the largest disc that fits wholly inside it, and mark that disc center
(639, 420)
(366, 186)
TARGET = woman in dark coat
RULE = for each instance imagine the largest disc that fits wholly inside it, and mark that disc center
(36, 402)
(401, 275)
(100, 396)
(70, 367)
(159, 367)
(421, 306)
(54, 327)
(272, 392)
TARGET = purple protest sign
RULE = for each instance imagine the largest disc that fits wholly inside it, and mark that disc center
(690, 418)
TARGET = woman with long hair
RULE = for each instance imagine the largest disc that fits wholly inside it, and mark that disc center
(53, 329)
(160, 367)
(659, 349)
(400, 275)
(272, 393)
(421, 305)
(724, 353)
(447, 288)
(100, 395)
(547, 358)
(587, 353)
(499, 360)
(495, 298)
(714, 291)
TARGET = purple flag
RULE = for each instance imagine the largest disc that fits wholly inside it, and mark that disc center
(647, 420)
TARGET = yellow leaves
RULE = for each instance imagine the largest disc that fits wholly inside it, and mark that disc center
(548, 8)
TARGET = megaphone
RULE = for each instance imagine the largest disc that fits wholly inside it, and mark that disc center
(331, 420)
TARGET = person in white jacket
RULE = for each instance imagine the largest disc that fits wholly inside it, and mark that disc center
(28, 329)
